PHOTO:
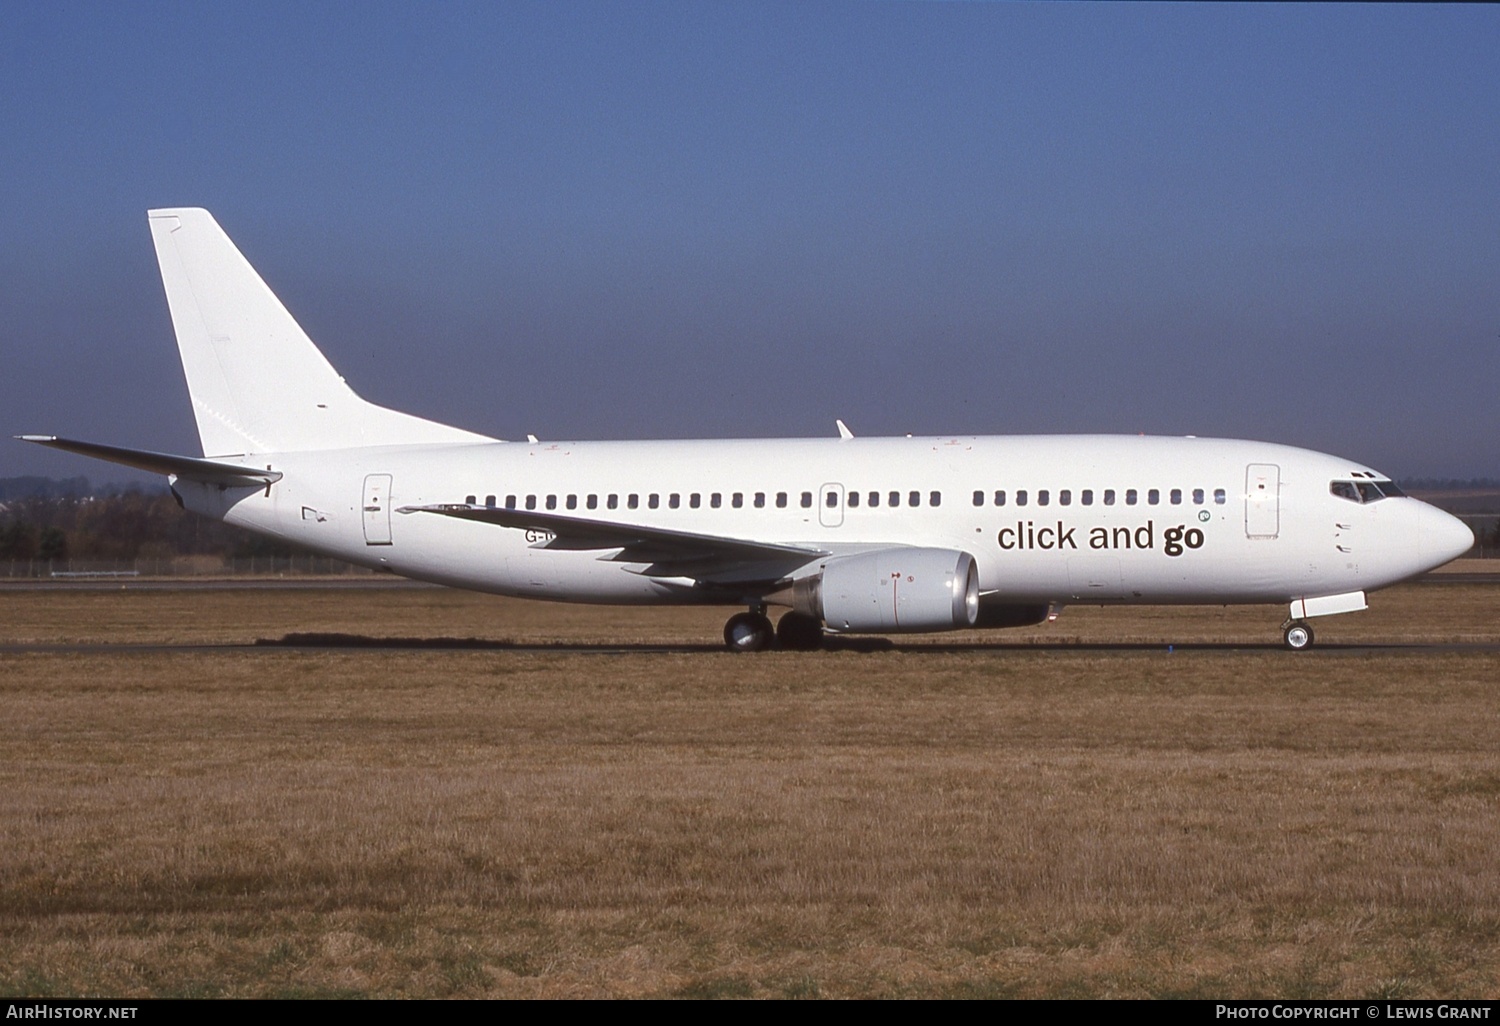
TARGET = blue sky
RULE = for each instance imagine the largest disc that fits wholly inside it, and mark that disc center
(718, 219)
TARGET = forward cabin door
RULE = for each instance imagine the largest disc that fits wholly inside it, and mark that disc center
(377, 509)
(1262, 500)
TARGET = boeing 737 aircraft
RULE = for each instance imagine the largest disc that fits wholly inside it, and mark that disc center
(847, 534)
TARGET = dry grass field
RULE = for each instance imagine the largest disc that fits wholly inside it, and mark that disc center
(601, 803)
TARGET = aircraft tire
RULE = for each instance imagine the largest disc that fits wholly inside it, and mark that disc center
(1297, 636)
(748, 632)
(798, 632)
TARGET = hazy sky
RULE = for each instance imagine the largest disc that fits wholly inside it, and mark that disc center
(719, 219)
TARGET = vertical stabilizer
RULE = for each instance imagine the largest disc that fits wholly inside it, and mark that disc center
(257, 382)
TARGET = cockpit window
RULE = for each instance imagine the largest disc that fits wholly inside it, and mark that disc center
(1364, 491)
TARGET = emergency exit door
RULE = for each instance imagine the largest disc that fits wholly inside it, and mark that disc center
(831, 505)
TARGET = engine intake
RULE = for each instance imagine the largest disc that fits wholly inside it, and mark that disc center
(892, 591)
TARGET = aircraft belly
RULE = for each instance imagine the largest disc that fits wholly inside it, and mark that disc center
(502, 563)
(1095, 577)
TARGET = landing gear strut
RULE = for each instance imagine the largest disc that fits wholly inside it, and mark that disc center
(749, 632)
(1297, 635)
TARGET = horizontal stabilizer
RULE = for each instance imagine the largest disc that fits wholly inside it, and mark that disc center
(188, 467)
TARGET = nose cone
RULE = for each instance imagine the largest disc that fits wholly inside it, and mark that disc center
(1441, 537)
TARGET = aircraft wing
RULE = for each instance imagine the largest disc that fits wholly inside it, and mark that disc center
(191, 468)
(669, 553)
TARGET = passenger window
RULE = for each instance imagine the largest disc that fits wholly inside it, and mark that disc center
(633, 500)
(1086, 497)
(760, 500)
(1043, 497)
(1153, 496)
(874, 499)
(853, 500)
(572, 502)
(1109, 496)
(894, 499)
(1197, 496)
(716, 500)
(695, 500)
(781, 500)
(674, 501)
(653, 500)
(737, 500)
(1177, 496)
(531, 502)
(1220, 497)
(593, 502)
(979, 498)
(1130, 496)
(934, 498)
(914, 498)
(807, 500)
(833, 499)
(510, 502)
(613, 502)
(468, 500)
(1020, 496)
(1000, 497)
(1064, 498)
(551, 502)
(489, 500)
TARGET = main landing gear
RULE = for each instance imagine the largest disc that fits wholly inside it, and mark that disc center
(798, 632)
(749, 632)
(1296, 635)
(752, 632)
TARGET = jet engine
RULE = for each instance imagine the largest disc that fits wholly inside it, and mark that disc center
(891, 591)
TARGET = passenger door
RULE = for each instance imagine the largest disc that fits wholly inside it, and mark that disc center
(377, 509)
(1262, 500)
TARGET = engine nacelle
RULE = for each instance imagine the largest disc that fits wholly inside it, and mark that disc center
(891, 591)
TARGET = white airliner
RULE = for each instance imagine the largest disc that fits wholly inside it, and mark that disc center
(849, 535)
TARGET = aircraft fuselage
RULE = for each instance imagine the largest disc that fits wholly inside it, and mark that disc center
(1066, 519)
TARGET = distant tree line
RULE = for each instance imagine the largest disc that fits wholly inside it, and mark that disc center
(13, 488)
(43, 519)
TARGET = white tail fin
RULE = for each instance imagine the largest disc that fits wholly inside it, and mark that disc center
(257, 382)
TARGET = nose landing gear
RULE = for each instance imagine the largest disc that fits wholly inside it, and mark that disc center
(1296, 635)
